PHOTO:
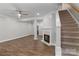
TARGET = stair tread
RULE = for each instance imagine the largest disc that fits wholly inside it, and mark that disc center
(70, 40)
(66, 54)
(76, 37)
(70, 52)
(67, 25)
(70, 31)
(70, 27)
(70, 34)
(67, 46)
(71, 43)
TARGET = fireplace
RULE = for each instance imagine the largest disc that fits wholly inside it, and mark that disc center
(47, 38)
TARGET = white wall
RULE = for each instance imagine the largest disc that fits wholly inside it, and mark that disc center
(46, 21)
(12, 29)
(49, 21)
(65, 6)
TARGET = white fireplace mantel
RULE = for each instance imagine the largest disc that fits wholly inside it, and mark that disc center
(47, 31)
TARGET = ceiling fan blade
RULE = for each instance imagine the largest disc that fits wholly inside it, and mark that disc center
(24, 14)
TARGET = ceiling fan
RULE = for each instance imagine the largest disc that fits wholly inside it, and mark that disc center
(20, 13)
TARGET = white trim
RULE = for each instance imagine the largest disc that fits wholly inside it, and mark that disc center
(73, 37)
(70, 51)
(35, 30)
(58, 35)
(71, 43)
(14, 38)
(49, 33)
(58, 22)
(70, 32)
(35, 38)
(47, 43)
(58, 50)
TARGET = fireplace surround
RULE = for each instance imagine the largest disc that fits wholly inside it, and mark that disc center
(47, 36)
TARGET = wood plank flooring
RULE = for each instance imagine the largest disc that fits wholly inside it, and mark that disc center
(25, 46)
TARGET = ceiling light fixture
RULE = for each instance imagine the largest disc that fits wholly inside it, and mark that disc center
(19, 15)
(38, 14)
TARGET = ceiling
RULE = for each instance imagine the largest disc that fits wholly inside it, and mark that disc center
(9, 9)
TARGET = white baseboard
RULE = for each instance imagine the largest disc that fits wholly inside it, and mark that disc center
(35, 38)
(58, 51)
(13, 38)
(47, 43)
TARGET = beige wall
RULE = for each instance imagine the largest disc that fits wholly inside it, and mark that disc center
(65, 6)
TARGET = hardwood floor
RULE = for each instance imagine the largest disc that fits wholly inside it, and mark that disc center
(25, 46)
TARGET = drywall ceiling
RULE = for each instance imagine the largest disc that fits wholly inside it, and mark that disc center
(9, 9)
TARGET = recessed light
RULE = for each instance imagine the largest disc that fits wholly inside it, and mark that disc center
(38, 14)
(19, 15)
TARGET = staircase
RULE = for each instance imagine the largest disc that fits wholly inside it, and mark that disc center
(69, 34)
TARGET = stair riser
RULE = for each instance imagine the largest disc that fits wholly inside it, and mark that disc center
(69, 54)
(70, 29)
(65, 34)
(68, 22)
(66, 18)
(68, 25)
(71, 40)
(69, 46)
(62, 12)
(70, 34)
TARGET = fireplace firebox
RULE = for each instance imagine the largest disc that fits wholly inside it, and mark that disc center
(47, 38)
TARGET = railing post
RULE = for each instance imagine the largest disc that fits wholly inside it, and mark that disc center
(58, 35)
(35, 29)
